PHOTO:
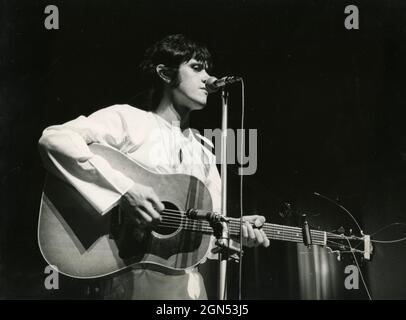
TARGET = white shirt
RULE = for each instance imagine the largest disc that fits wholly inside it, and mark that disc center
(143, 136)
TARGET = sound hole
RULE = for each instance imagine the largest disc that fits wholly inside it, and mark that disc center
(171, 219)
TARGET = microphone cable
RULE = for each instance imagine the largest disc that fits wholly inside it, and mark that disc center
(346, 238)
(241, 171)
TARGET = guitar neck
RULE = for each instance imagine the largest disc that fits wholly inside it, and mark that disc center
(282, 232)
(272, 231)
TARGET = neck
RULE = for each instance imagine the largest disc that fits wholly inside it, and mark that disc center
(173, 113)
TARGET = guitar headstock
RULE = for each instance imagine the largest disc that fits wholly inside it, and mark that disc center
(340, 242)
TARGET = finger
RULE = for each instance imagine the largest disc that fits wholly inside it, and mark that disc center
(258, 236)
(251, 233)
(149, 209)
(247, 241)
(249, 218)
(266, 240)
(244, 231)
(157, 204)
(144, 215)
(259, 221)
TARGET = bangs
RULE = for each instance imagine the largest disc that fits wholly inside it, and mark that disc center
(179, 49)
(172, 51)
(203, 55)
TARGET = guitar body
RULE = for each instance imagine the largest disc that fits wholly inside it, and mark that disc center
(82, 243)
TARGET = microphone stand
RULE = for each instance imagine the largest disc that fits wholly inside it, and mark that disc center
(223, 258)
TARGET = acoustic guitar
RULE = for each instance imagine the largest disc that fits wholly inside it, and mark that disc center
(82, 243)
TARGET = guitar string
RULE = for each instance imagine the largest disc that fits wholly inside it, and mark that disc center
(237, 220)
(235, 231)
(284, 229)
(275, 237)
(276, 232)
(274, 228)
(342, 245)
(233, 227)
(209, 230)
(269, 227)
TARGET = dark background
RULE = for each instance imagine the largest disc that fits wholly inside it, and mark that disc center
(328, 104)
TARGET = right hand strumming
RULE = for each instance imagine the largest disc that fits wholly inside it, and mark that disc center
(142, 206)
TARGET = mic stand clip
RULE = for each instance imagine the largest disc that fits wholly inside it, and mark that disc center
(226, 247)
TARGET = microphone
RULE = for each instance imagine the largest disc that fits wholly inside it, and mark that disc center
(213, 84)
(196, 214)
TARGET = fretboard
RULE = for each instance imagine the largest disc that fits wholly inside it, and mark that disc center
(272, 231)
(281, 232)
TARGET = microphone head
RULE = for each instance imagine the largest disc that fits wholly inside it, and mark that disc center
(211, 85)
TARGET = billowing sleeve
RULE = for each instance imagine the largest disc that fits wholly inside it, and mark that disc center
(64, 151)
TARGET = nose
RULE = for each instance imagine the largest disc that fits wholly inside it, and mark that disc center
(205, 76)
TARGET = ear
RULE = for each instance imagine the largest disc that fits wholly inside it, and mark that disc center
(163, 73)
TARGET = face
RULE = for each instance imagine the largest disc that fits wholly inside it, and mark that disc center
(191, 92)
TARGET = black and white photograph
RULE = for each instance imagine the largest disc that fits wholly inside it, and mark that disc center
(221, 150)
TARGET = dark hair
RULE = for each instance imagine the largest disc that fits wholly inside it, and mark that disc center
(171, 51)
